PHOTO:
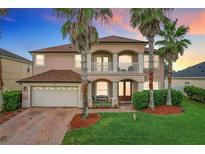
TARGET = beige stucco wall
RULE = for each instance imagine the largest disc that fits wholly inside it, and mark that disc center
(67, 60)
(158, 74)
(179, 83)
(56, 61)
(118, 47)
(139, 77)
(13, 71)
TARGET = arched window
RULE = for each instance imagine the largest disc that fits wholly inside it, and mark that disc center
(102, 88)
(125, 61)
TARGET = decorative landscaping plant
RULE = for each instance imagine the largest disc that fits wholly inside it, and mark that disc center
(12, 100)
(141, 99)
(195, 93)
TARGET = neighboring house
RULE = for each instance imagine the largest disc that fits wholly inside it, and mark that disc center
(194, 75)
(117, 67)
(14, 68)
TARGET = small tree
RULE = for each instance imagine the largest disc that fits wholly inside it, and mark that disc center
(172, 45)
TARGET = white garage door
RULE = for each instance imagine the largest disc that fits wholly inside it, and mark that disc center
(55, 96)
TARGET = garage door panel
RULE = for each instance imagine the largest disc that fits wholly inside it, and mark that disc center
(55, 96)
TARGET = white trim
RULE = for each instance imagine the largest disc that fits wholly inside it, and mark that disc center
(141, 62)
(39, 65)
(76, 67)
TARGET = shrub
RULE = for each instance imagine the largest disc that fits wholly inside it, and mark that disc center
(141, 99)
(195, 93)
(12, 100)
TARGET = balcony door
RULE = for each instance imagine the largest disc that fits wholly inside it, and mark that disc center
(102, 63)
(125, 90)
(125, 62)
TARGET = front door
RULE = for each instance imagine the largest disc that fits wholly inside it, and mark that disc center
(125, 90)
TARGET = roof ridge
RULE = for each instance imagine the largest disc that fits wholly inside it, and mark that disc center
(6, 53)
(54, 76)
(191, 66)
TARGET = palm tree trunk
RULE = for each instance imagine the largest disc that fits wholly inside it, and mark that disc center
(1, 87)
(169, 95)
(84, 78)
(151, 71)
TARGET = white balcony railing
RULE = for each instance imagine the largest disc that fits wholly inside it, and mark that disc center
(101, 67)
(109, 67)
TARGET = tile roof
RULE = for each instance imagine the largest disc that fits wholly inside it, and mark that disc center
(147, 50)
(71, 49)
(5, 53)
(193, 71)
(58, 76)
(119, 39)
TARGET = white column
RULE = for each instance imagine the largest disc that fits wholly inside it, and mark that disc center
(90, 103)
(140, 86)
(141, 62)
(115, 57)
(26, 96)
(114, 94)
(89, 62)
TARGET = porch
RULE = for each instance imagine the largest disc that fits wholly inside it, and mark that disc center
(112, 93)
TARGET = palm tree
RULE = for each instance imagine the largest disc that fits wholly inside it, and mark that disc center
(148, 22)
(79, 26)
(2, 13)
(172, 45)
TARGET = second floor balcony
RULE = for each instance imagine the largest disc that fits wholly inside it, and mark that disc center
(114, 67)
(106, 62)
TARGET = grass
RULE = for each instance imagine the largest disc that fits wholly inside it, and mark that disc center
(121, 128)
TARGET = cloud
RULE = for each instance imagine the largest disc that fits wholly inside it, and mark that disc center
(8, 19)
(121, 20)
(188, 59)
(197, 25)
(195, 20)
(50, 18)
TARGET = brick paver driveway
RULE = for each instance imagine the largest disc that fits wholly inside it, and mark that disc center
(37, 126)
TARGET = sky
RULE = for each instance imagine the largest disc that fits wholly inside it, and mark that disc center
(23, 30)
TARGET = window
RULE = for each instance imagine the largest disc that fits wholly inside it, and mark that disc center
(127, 89)
(78, 61)
(40, 60)
(102, 64)
(102, 88)
(187, 83)
(146, 61)
(28, 69)
(125, 62)
(155, 85)
(121, 88)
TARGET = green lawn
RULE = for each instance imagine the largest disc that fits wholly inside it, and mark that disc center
(121, 128)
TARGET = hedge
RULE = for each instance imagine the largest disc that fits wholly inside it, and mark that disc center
(195, 93)
(141, 99)
(12, 100)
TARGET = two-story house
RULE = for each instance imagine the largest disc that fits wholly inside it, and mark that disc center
(117, 67)
(14, 67)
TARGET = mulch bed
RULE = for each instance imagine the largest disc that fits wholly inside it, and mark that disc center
(78, 122)
(164, 110)
(8, 115)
